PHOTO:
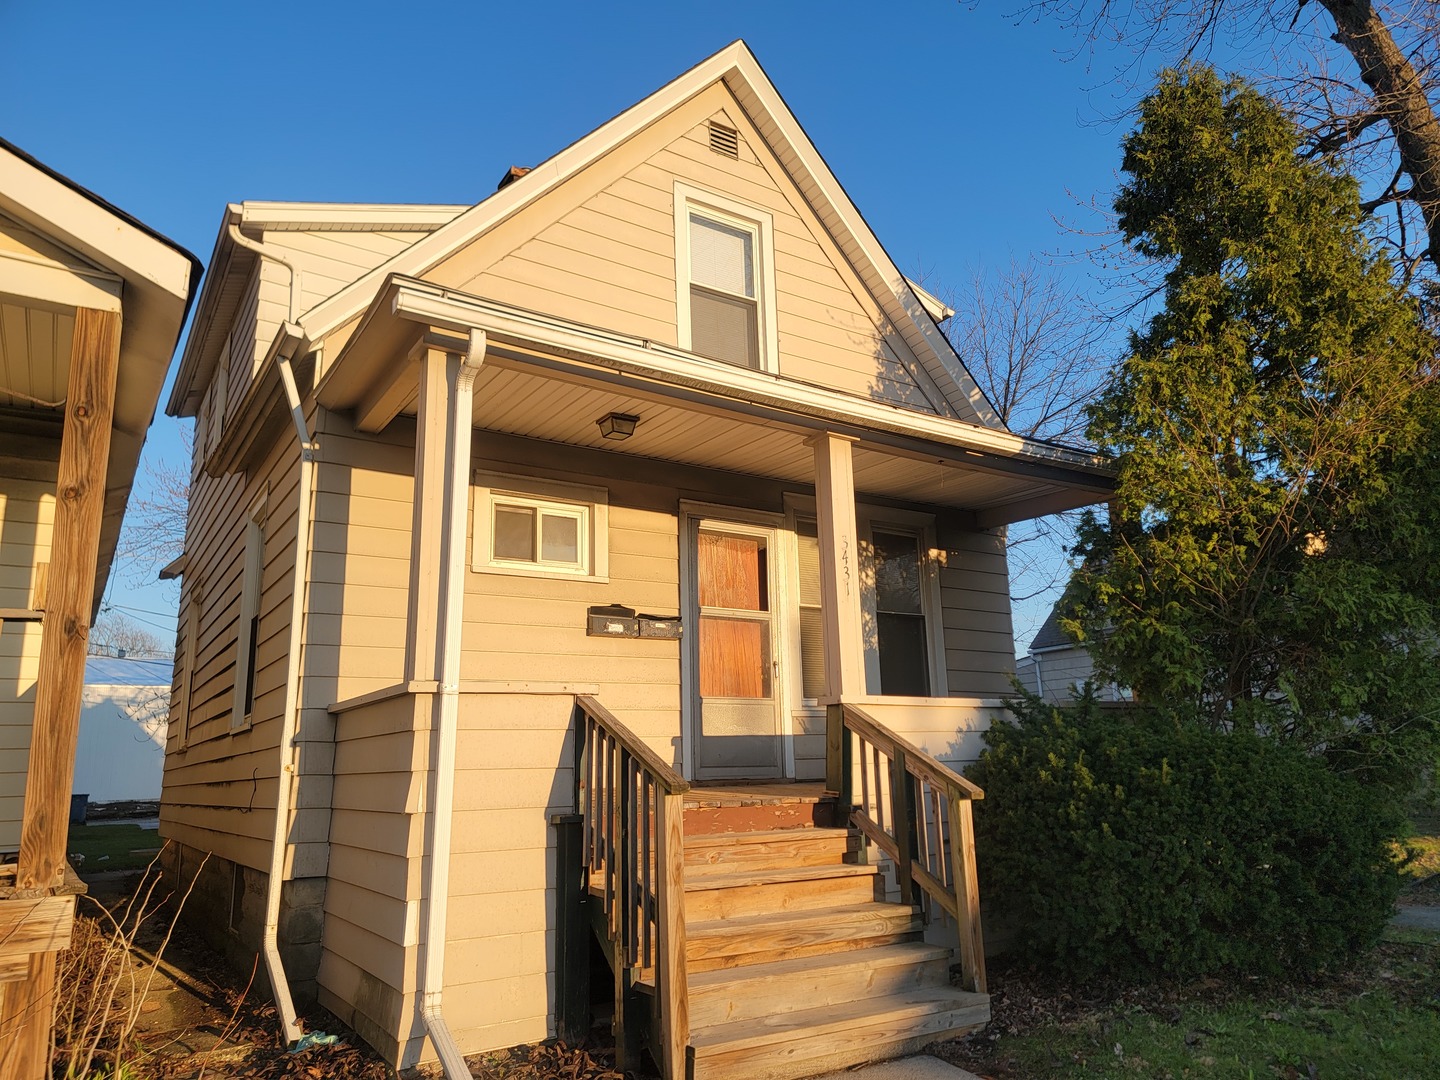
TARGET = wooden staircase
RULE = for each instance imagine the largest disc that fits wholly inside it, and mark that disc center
(750, 918)
(796, 963)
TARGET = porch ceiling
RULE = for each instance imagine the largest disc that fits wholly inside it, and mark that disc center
(539, 391)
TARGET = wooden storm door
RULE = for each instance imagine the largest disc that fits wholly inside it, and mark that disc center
(738, 713)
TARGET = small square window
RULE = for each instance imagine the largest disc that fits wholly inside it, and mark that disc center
(539, 527)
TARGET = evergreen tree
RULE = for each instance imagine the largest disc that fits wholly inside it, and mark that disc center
(1270, 559)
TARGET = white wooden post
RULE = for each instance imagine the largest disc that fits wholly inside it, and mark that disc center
(438, 370)
(839, 566)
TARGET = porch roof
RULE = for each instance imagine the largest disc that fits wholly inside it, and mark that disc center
(551, 379)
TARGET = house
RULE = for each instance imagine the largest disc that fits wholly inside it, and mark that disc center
(91, 306)
(124, 712)
(618, 538)
(1056, 666)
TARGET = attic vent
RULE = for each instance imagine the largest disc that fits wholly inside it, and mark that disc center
(724, 140)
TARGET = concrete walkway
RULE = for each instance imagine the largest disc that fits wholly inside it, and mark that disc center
(920, 1067)
(1417, 917)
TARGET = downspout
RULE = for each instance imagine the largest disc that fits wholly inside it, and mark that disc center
(435, 906)
(290, 716)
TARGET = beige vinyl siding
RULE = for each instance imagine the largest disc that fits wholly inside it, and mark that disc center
(975, 613)
(601, 250)
(220, 784)
(27, 520)
(513, 770)
(327, 261)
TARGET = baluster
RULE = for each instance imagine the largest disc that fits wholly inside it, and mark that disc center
(865, 781)
(938, 854)
(922, 826)
(647, 802)
(879, 798)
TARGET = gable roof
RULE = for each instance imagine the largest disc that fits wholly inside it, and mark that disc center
(231, 266)
(741, 73)
(153, 278)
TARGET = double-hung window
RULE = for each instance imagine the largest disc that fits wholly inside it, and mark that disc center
(724, 292)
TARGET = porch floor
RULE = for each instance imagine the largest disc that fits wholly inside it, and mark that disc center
(754, 793)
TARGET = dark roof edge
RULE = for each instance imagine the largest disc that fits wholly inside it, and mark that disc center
(196, 266)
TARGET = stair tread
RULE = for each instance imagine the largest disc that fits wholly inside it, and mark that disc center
(744, 925)
(818, 1023)
(763, 836)
(907, 953)
(701, 883)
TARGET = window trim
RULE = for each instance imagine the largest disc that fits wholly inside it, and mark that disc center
(732, 212)
(592, 503)
(247, 627)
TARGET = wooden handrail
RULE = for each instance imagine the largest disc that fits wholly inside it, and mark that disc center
(917, 810)
(670, 780)
(867, 727)
(633, 806)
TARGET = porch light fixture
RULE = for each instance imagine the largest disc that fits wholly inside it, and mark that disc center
(617, 426)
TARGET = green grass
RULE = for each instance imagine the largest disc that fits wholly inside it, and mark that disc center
(1422, 872)
(1375, 1035)
(96, 842)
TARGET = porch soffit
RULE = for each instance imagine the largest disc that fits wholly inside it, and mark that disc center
(534, 386)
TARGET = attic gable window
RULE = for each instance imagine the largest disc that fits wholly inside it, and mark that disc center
(725, 292)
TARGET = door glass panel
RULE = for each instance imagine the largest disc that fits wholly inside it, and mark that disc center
(734, 657)
(733, 572)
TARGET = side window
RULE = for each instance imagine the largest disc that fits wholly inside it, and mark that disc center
(247, 640)
(725, 290)
(900, 631)
(812, 629)
(543, 528)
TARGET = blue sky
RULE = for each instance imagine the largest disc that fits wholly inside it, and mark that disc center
(963, 135)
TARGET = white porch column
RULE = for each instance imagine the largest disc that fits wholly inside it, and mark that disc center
(440, 442)
(839, 566)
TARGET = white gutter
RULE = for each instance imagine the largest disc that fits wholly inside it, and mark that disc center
(435, 906)
(289, 339)
(241, 240)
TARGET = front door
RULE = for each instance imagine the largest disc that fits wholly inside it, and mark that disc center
(736, 695)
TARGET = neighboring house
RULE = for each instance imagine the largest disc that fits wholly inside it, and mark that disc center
(576, 536)
(123, 714)
(91, 306)
(1057, 666)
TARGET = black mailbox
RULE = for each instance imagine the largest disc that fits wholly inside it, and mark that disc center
(611, 620)
(666, 627)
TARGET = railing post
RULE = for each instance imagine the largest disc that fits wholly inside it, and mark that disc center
(902, 818)
(838, 771)
(967, 894)
(673, 985)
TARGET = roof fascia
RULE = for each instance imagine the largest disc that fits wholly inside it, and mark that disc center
(422, 302)
(297, 216)
(220, 266)
(40, 199)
